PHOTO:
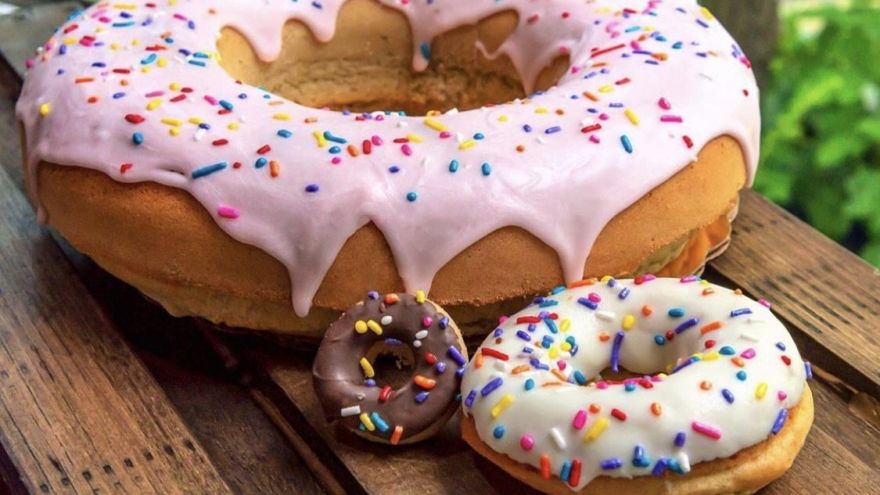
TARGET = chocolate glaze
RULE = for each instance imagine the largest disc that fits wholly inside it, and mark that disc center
(340, 382)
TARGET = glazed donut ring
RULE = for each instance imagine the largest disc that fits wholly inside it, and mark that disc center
(733, 375)
(416, 331)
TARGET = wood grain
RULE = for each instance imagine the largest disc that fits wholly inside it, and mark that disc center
(823, 291)
(78, 411)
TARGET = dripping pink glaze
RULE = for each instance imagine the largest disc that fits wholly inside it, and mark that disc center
(564, 188)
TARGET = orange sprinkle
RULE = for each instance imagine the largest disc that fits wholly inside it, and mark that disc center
(274, 169)
(93, 99)
(738, 361)
(425, 383)
(604, 337)
(705, 385)
(545, 466)
(591, 96)
(519, 369)
(582, 283)
(353, 150)
(708, 291)
(656, 410)
(647, 310)
(558, 374)
(520, 148)
(738, 292)
(550, 384)
(391, 299)
(595, 408)
(395, 437)
(715, 325)
(478, 361)
(80, 80)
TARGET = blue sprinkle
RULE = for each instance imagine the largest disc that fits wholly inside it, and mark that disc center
(261, 162)
(527, 128)
(676, 312)
(741, 375)
(686, 325)
(380, 423)
(312, 188)
(137, 138)
(659, 339)
(469, 401)
(226, 105)
(780, 421)
(454, 165)
(659, 468)
(425, 48)
(629, 386)
(335, 139)
(727, 351)
(627, 144)
(808, 369)
(780, 346)
(456, 356)
(412, 196)
(443, 323)
(393, 169)
(565, 472)
(284, 133)
(421, 396)
(149, 59)
(740, 312)
(579, 377)
(623, 294)
(551, 325)
(498, 432)
(611, 464)
(523, 335)
(486, 169)
(440, 367)
(530, 384)
(459, 373)
(552, 130)
(728, 395)
(586, 302)
(370, 382)
(208, 170)
(479, 136)
(390, 341)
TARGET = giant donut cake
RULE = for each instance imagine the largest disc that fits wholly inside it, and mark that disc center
(151, 147)
(730, 410)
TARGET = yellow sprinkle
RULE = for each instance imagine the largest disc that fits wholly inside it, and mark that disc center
(503, 118)
(596, 429)
(368, 424)
(174, 131)
(375, 327)
(281, 116)
(45, 109)
(174, 86)
(135, 42)
(632, 116)
(154, 104)
(319, 137)
(420, 296)
(554, 352)
(470, 143)
(541, 110)
(629, 321)
(360, 326)
(415, 138)
(565, 346)
(711, 356)
(145, 69)
(436, 125)
(605, 279)
(233, 126)
(69, 41)
(124, 6)
(761, 391)
(564, 325)
(162, 62)
(194, 120)
(367, 366)
(115, 47)
(501, 405)
(171, 121)
(606, 89)
(706, 13)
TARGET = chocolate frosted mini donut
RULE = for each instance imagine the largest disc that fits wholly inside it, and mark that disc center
(414, 330)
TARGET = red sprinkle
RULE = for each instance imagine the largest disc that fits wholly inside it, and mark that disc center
(490, 352)
(617, 413)
(385, 393)
(134, 118)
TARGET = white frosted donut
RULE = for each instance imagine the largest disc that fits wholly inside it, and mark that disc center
(732, 372)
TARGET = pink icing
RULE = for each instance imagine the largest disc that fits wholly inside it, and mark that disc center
(670, 67)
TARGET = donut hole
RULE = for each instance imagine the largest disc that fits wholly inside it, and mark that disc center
(392, 364)
(367, 65)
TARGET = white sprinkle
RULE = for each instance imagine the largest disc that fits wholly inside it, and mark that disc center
(453, 111)
(684, 461)
(421, 334)
(402, 124)
(558, 438)
(199, 134)
(606, 315)
(350, 411)
(417, 343)
(360, 396)
(748, 336)
(500, 365)
(386, 320)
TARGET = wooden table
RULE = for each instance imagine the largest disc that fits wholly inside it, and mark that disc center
(102, 392)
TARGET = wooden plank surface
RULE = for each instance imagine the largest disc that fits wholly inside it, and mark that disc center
(78, 411)
(824, 291)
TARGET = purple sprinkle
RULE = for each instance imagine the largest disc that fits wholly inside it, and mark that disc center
(624, 293)
(808, 369)
(615, 352)
(443, 323)
(780, 421)
(523, 335)
(390, 341)
(491, 386)
(680, 438)
(440, 367)
(498, 332)
(373, 295)
(780, 346)
(586, 302)
(459, 373)
(370, 382)
(728, 395)
(469, 401)
(659, 468)
(686, 325)
(456, 356)
(421, 396)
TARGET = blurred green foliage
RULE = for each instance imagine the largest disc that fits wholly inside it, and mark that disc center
(821, 145)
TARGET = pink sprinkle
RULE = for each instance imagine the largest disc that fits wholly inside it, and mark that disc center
(781, 395)
(664, 104)
(210, 99)
(561, 365)
(764, 302)
(377, 141)
(748, 353)
(603, 116)
(706, 430)
(594, 297)
(671, 119)
(426, 322)
(594, 139)
(228, 212)
(601, 385)
(580, 419)
(406, 149)
(154, 94)
(445, 135)
(527, 442)
(502, 319)
(336, 160)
